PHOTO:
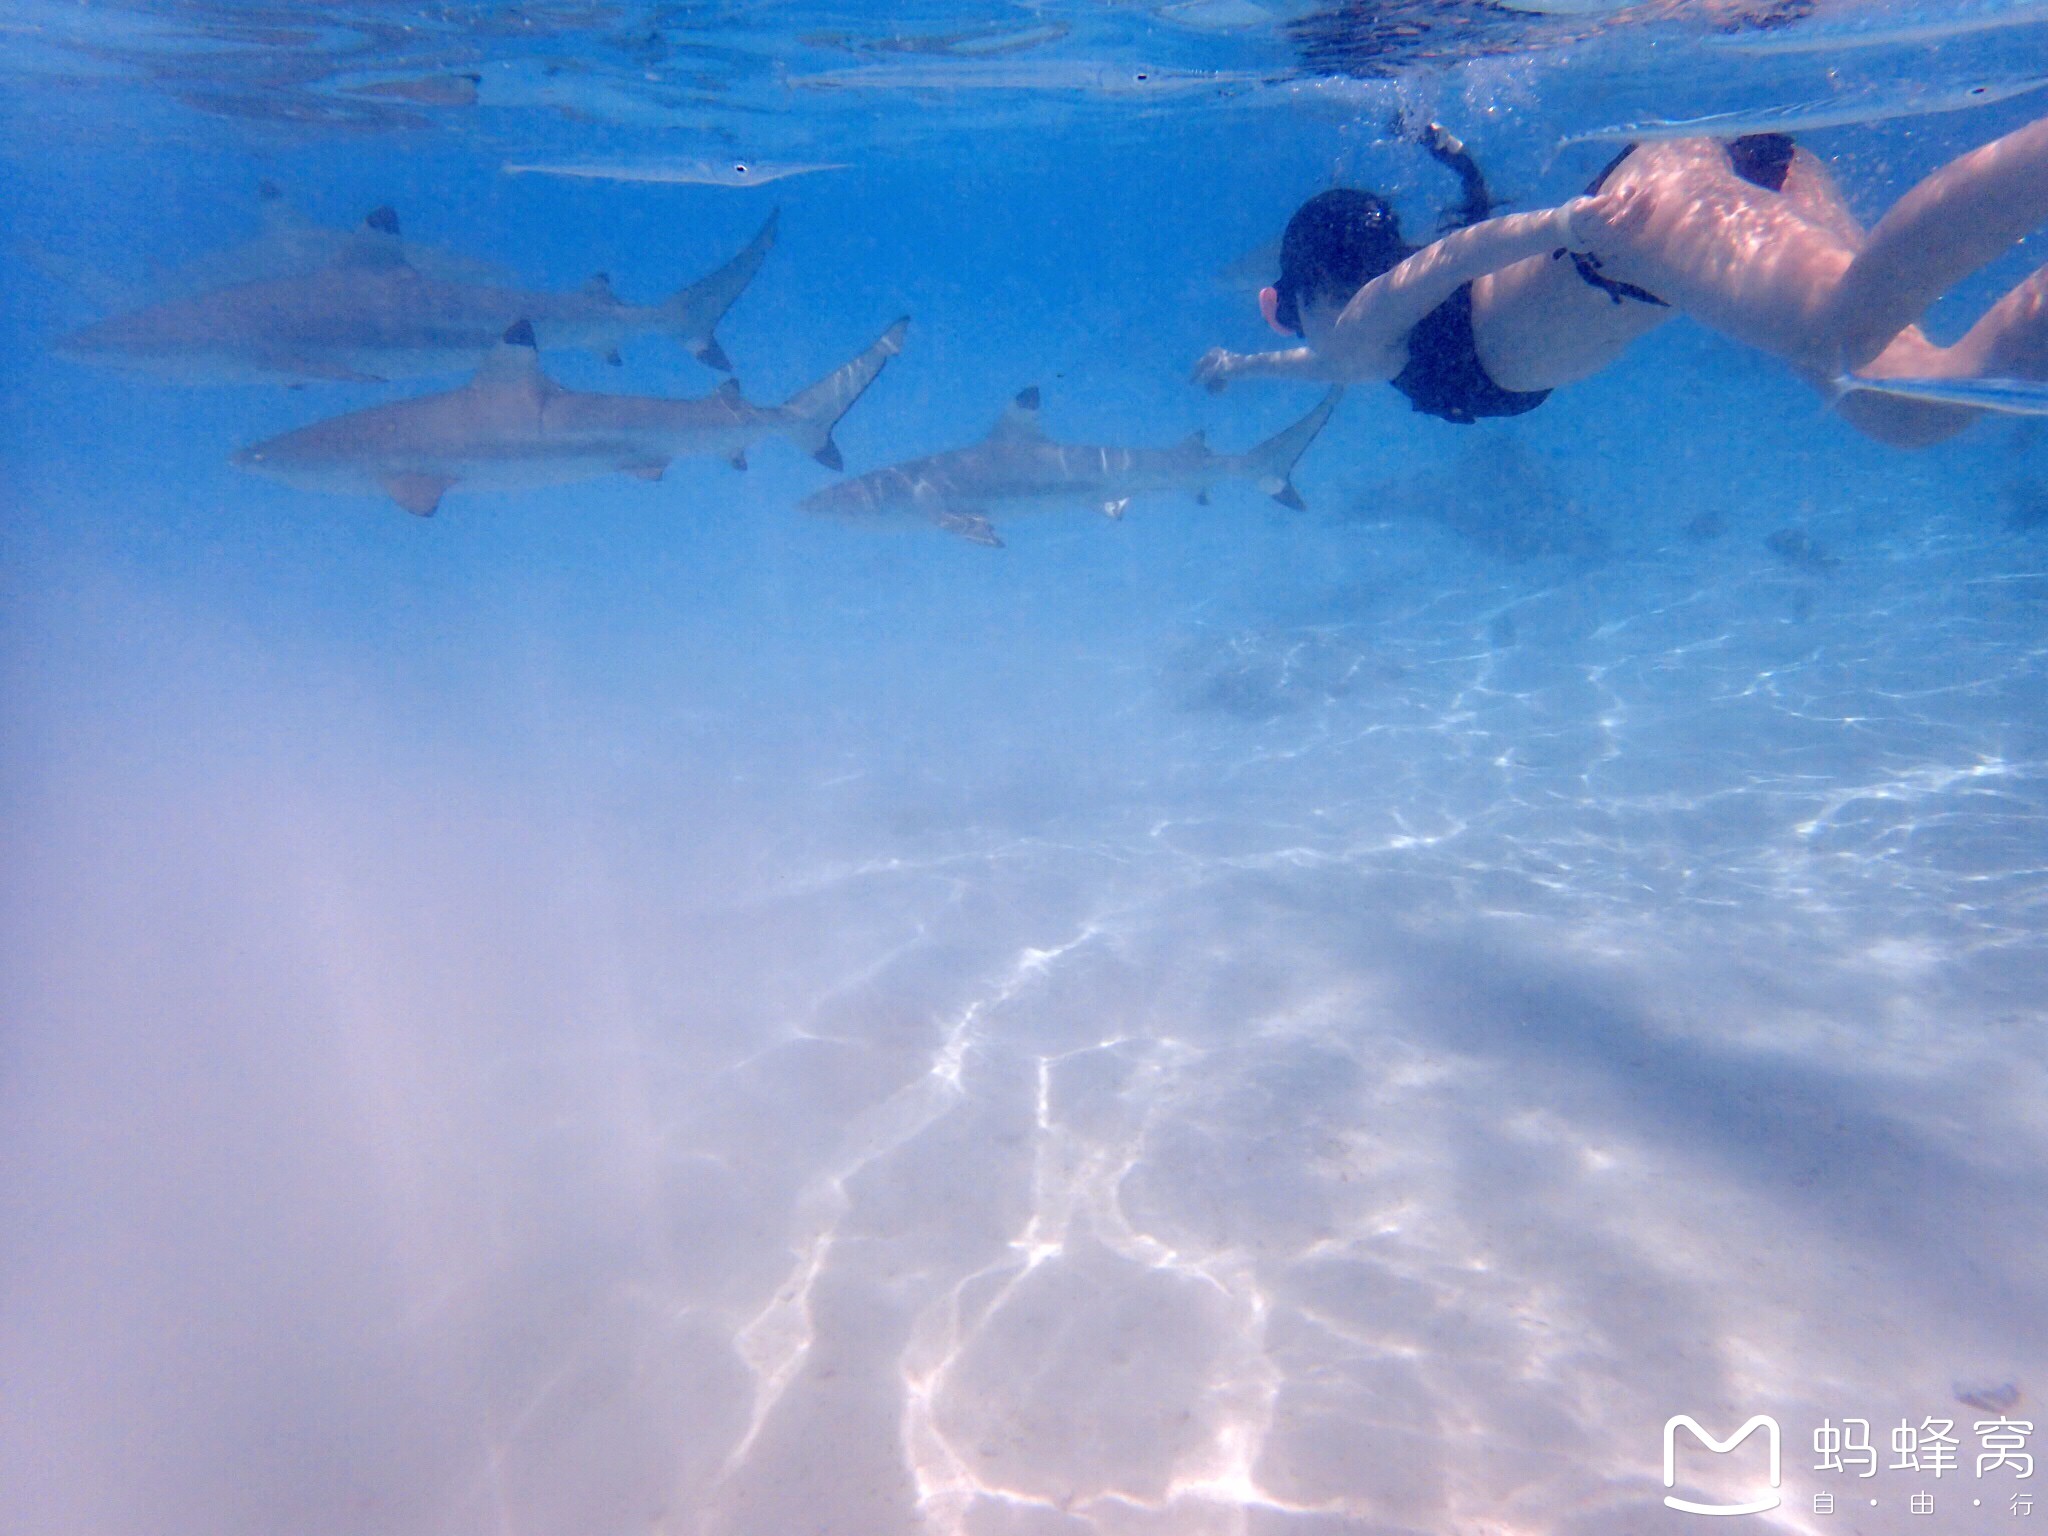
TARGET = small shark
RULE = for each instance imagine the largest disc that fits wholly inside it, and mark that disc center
(1017, 464)
(370, 315)
(511, 427)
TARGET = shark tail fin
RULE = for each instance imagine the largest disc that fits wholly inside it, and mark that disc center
(694, 311)
(1271, 464)
(811, 414)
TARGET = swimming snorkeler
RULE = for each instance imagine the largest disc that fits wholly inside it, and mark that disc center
(1749, 237)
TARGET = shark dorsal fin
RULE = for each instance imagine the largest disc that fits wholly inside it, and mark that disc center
(1020, 421)
(600, 288)
(513, 364)
(375, 243)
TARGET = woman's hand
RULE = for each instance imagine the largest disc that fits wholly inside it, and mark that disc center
(1605, 224)
(1214, 370)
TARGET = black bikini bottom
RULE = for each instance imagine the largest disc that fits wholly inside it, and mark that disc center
(1444, 377)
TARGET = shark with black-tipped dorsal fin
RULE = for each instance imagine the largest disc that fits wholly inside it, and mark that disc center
(512, 427)
(369, 315)
(1017, 465)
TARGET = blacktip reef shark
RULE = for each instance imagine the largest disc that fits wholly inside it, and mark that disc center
(370, 315)
(1018, 465)
(512, 427)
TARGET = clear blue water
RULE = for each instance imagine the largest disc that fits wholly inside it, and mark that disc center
(626, 1008)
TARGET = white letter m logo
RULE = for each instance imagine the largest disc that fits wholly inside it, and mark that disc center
(1719, 1447)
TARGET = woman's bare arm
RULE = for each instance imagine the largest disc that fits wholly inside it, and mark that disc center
(1368, 342)
(1370, 337)
(1218, 367)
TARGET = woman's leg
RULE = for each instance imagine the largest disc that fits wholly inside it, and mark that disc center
(1894, 419)
(2009, 342)
(1964, 216)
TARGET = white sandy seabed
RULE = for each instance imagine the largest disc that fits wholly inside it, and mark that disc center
(1401, 1064)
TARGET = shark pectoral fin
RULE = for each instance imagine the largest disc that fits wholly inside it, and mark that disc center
(1201, 498)
(1114, 510)
(649, 469)
(729, 391)
(613, 360)
(419, 494)
(738, 459)
(971, 526)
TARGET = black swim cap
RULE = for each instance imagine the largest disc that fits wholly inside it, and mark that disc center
(1335, 244)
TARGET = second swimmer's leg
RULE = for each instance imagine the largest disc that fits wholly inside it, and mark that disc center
(1895, 419)
(1965, 215)
(2011, 341)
